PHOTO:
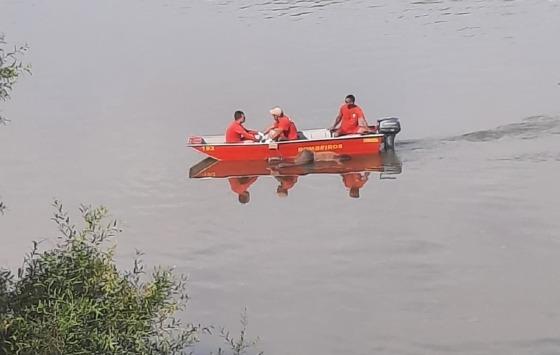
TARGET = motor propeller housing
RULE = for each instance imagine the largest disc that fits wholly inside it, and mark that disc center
(389, 127)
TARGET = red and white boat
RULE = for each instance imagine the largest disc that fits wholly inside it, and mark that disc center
(317, 140)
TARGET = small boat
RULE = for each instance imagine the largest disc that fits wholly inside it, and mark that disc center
(316, 140)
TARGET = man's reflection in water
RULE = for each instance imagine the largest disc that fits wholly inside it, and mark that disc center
(354, 182)
(240, 185)
(286, 183)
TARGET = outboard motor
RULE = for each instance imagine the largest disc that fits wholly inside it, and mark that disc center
(389, 127)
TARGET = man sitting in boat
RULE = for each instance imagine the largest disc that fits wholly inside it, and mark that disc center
(283, 129)
(236, 133)
(351, 119)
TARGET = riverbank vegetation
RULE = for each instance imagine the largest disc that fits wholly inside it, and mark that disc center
(73, 299)
(11, 69)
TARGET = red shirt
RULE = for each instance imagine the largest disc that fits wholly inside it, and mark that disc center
(349, 123)
(236, 133)
(287, 126)
(240, 184)
(354, 180)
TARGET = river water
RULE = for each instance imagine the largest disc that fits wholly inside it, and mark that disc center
(452, 250)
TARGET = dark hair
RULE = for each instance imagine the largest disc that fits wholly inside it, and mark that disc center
(351, 97)
(238, 114)
(355, 192)
(244, 197)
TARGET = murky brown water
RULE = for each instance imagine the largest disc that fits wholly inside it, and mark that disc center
(458, 254)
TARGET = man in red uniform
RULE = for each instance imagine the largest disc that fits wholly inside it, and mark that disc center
(283, 129)
(240, 186)
(236, 133)
(351, 119)
(354, 182)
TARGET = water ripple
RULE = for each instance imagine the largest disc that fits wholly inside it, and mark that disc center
(291, 8)
(530, 128)
(538, 157)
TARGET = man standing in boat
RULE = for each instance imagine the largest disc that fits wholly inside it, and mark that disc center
(351, 119)
(236, 133)
(283, 129)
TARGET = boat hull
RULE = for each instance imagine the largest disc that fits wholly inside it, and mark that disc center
(345, 145)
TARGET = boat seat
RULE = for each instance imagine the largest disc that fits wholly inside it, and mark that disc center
(319, 133)
(214, 139)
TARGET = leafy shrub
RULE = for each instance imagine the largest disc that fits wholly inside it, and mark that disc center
(11, 68)
(73, 300)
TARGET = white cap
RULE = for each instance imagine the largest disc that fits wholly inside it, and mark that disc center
(277, 111)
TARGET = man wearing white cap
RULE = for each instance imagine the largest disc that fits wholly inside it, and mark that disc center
(283, 128)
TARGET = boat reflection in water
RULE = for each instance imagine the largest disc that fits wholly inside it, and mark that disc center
(355, 172)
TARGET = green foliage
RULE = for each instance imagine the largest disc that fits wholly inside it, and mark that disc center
(73, 300)
(241, 344)
(11, 68)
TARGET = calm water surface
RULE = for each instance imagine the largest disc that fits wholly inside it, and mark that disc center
(458, 254)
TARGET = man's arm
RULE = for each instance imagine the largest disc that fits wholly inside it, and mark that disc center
(269, 129)
(274, 133)
(362, 123)
(336, 121)
(245, 134)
